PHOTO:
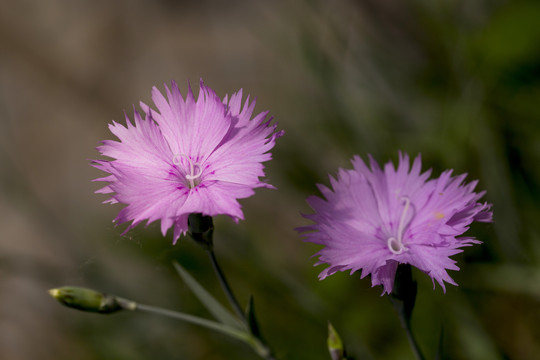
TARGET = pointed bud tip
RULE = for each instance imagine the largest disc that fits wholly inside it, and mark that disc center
(335, 345)
(55, 293)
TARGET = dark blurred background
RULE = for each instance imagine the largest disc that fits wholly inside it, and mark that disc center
(458, 81)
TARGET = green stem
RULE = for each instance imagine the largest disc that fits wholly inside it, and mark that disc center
(193, 320)
(260, 348)
(403, 298)
(225, 286)
(258, 344)
(412, 341)
(201, 230)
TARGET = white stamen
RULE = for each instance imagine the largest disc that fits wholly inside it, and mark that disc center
(177, 159)
(395, 244)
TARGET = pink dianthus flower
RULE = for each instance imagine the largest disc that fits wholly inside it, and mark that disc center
(375, 219)
(189, 156)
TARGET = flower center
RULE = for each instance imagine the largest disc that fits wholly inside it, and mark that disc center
(395, 244)
(190, 176)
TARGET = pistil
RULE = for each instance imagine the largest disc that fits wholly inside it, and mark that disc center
(177, 160)
(395, 244)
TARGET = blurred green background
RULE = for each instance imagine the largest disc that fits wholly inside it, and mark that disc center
(458, 81)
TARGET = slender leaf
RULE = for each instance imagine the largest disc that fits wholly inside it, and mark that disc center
(211, 304)
(251, 319)
(440, 349)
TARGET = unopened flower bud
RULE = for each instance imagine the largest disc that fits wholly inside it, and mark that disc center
(90, 300)
(335, 345)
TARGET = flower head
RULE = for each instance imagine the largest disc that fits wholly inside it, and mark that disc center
(375, 219)
(188, 156)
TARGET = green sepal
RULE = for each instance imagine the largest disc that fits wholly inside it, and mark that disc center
(201, 230)
(403, 294)
(403, 298)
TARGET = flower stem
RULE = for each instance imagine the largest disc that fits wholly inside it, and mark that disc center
(193, 319)
(201, 230)
(406, 324)
(258, 344)
(403, 298)
(260, 348)
(225, 285)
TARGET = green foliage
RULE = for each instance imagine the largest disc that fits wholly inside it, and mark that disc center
(458, 81)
